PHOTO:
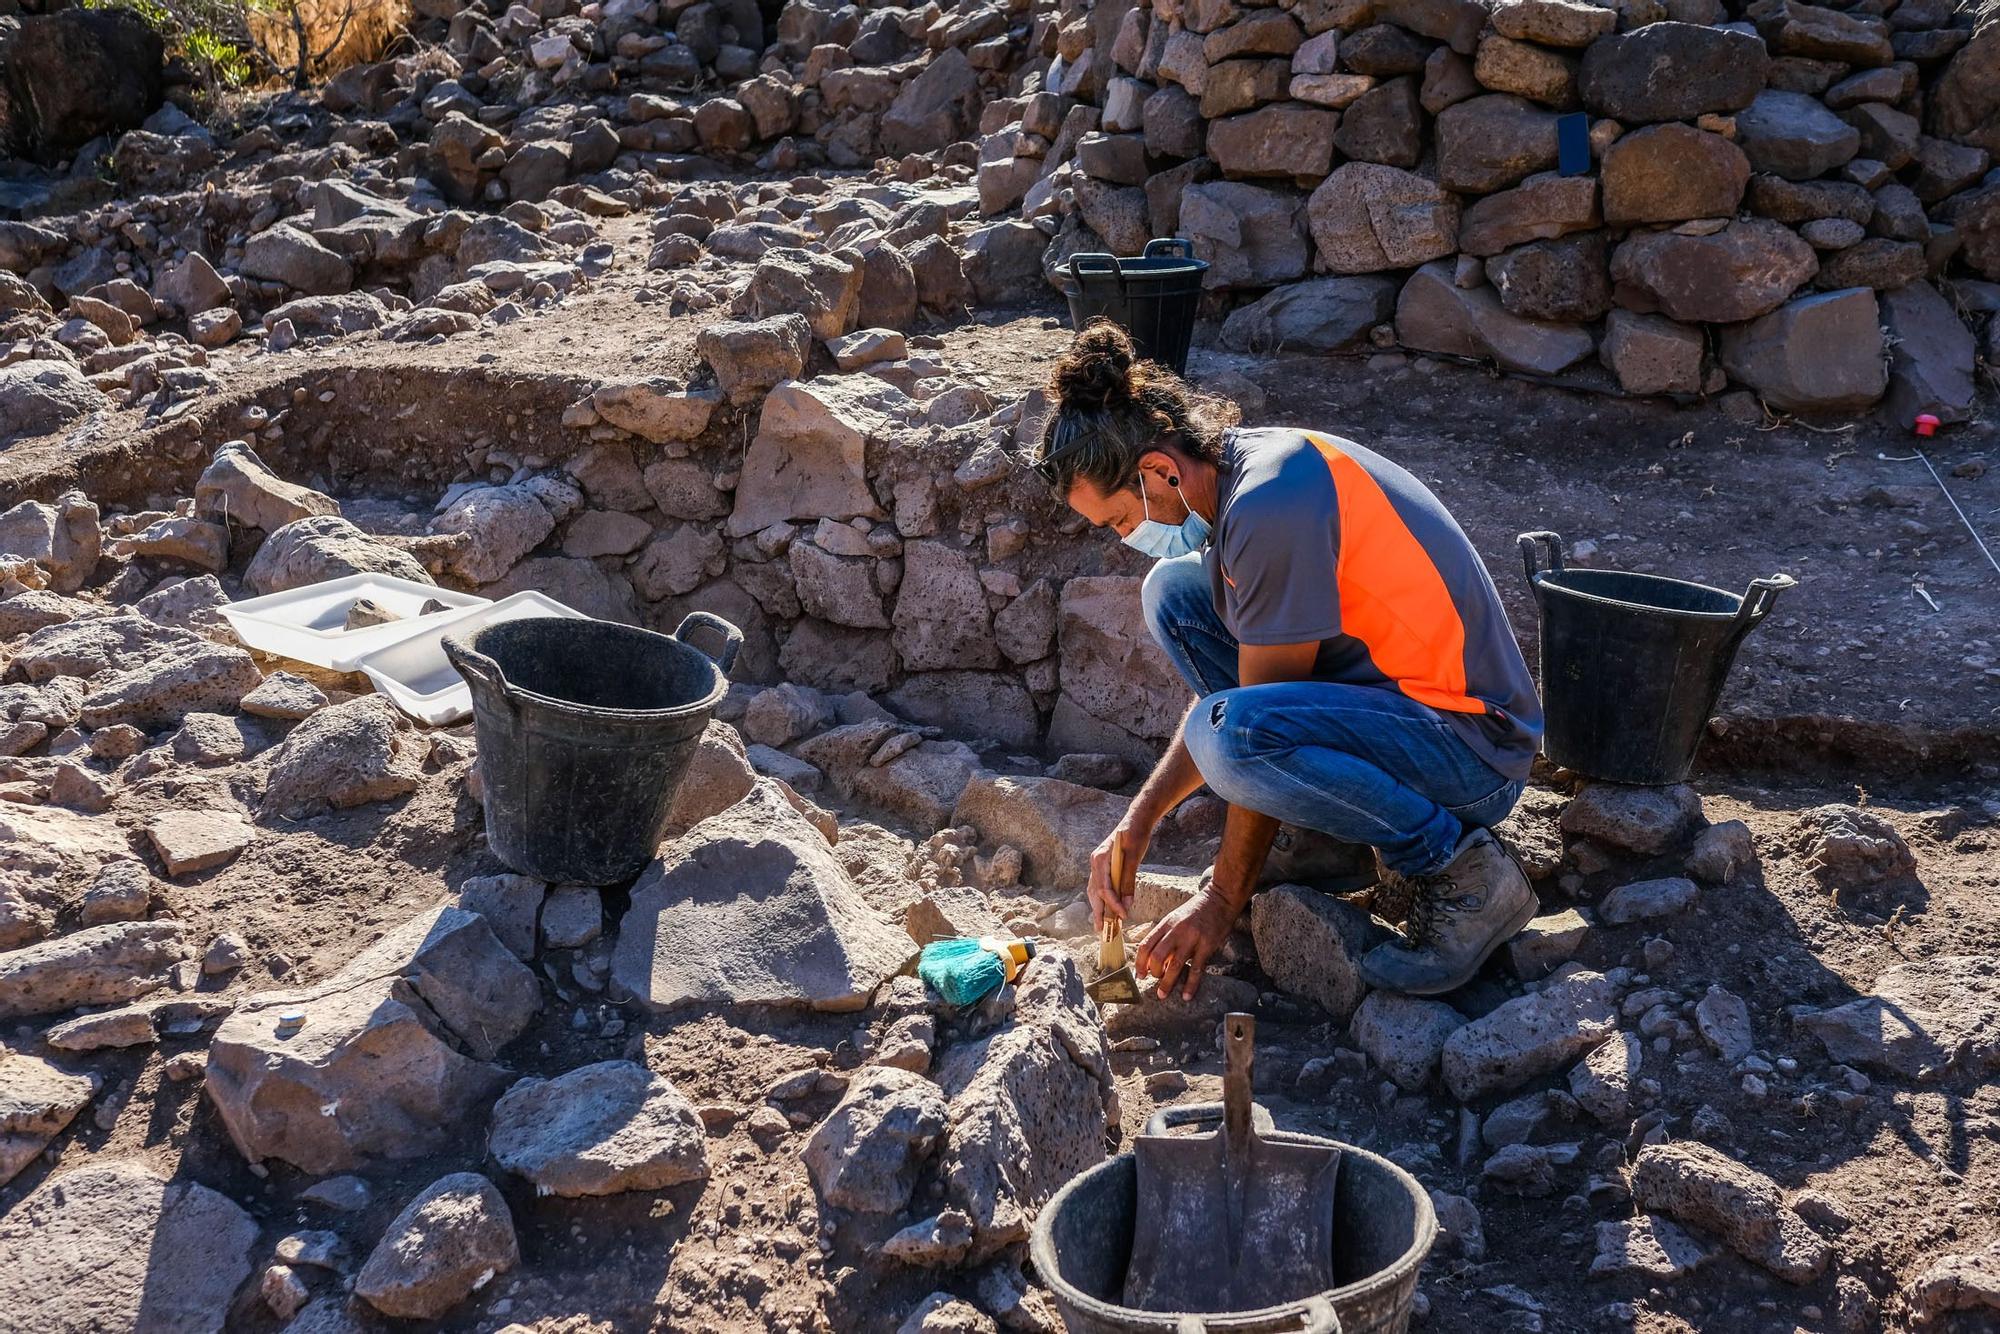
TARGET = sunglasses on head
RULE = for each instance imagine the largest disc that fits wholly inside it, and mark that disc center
(1069, 438)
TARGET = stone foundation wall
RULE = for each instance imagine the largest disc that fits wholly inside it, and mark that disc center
(862, 529)
(1771, 190)
(857, 551)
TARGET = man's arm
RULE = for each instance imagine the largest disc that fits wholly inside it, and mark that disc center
(1173, 780)
(1183, 940)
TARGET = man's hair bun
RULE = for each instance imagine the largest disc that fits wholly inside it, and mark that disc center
(1109, 407)
(1096, 372)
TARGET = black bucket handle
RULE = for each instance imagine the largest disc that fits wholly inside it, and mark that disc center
(731, 638)
(1758, 600)
(1169, 247)
(474, 665)
(1097, 262)
(1546, 544)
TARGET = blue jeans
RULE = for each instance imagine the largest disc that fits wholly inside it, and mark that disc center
(1364, 764)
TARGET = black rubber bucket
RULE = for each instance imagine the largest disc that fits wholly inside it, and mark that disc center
(1633, 664)
(585, 729)
(1152, 297)
(1383, 1227)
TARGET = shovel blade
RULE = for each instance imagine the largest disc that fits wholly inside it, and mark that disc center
(1209, 1240)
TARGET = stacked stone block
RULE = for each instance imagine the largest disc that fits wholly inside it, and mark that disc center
(1761, 179)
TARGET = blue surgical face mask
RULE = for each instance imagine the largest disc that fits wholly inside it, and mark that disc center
(1164, 541)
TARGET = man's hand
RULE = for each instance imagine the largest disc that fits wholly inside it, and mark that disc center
(1179, 945)
(1132, 835)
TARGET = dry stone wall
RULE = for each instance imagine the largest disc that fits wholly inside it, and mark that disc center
(864, 545)
(866, 530)
(1796, 198)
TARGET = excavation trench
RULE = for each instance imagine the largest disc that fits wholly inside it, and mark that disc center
(1055, 658)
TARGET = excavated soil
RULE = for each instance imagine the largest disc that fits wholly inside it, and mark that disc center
(1876, 681)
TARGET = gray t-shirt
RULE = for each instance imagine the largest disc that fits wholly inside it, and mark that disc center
(1317, 538)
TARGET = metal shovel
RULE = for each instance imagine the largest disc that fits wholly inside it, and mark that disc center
(1115, 983)
(1232, 1220)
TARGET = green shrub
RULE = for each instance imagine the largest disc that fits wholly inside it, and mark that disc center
(212, 36)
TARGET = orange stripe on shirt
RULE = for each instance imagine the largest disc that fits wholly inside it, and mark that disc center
(1392, 597)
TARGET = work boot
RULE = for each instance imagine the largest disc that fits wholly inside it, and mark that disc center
(1458, 916)
(1302, 856)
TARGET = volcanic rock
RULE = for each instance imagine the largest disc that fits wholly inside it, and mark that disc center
(1566, 23)
(1651, 354)
(323, 547)
(38, 397)
(290, 256)
(865, 1155)
(1028, 1106)
(1250, 236)
(1311, 946)
(1921, 1019)
(115, 1246)
(1530, 1035)
(1542, 207)
(380, 1042)
(1384, 124)
(62, 538)
(99, 965)
(749, 358)
(1672, 71)
(346, 755)
(1931, 360)
(808, 459)
(1321, 314)
(752, 907)
(1673, 172)
(1820, 353)
(599, 1130)
(1701, 1187)
(37, 1102)
(448, 1242)
(1366, 217)
(1490, 143)
(1435, 314)
(1530, 71)
(1794, 136)
(1649, 1246)
(1602, 1081)
(1565, 280)
(1405, 1035)
(1645, 900)
(657, 410)
(1054, 824)
(1965, 102)
(1745, 270)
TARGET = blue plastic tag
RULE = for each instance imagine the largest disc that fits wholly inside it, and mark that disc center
(1573, 144)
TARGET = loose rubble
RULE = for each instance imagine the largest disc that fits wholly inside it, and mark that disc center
(260, 880)
(448, 1242)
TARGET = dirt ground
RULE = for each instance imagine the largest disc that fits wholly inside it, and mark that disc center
(1915, 1167)
(1876, 681)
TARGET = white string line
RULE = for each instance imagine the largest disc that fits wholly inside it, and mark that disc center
(1921, 457)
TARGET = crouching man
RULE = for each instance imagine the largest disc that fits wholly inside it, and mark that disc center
(1354, 671)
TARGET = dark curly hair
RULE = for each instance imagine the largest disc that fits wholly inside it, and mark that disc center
(1107, 407)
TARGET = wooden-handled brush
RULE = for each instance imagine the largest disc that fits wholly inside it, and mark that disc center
(1115, 983)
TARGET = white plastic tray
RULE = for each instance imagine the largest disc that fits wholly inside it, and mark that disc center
(309, 624)
(417, 677)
